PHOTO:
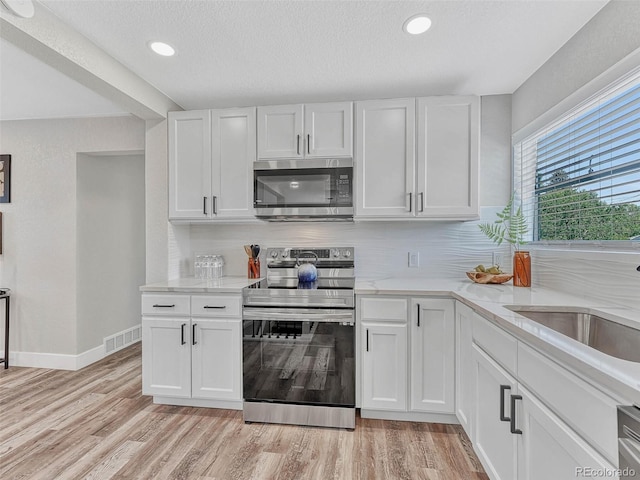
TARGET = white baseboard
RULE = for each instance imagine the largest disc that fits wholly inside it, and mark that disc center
(56, 361)
(61, 361)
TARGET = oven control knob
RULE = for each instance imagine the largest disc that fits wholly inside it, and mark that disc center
(285, 253)
(274, 254)
(347, 253)
(335, 252)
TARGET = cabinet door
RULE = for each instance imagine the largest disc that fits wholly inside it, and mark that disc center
(166, 357)
(280, 131)
(385, 158)
(189, 164)
(232, 155)
(494, 443)
(465, 387)
(548, 448)
(328, 129)
(384, 368)
(448, 139)
(432, 355)
(216, 359)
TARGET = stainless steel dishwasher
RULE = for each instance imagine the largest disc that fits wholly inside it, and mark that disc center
(629, 442)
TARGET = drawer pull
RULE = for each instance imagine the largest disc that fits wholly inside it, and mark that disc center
(513, 414)
(215, 306)
(503, 417)
(157, 305)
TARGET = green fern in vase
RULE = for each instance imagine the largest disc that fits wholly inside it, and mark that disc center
(510, 226)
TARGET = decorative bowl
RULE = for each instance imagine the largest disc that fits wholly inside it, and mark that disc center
(483, 277)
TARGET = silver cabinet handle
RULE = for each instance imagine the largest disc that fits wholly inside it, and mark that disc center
(214, 306)
(367, 339)
(298, 145)
(157, 305)
(421, 201)
(214, 202)
(418, 314)
(193, 334)
(204, 205)
(182, 342)
(410, 201)
(308, 143)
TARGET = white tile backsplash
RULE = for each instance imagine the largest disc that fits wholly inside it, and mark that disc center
(446, 249)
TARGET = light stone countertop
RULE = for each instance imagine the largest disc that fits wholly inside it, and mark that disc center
(198, 285)
(621, 377)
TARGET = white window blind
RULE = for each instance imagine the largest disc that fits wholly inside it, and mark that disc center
(579, 177)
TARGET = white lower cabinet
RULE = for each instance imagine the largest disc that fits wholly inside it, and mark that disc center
(432, 355)
(465, 383)
(494, 443)
(384, 366)
(192, 357)
(216, 361)
(166, 357)
(548, 448)
(407, 354)
(516, 434)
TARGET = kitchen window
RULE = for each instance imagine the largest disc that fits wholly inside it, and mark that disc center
(578, 178)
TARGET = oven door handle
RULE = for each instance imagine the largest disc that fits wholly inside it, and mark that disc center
(298, 315)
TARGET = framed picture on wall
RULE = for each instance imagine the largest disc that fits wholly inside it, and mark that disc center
(5, 178)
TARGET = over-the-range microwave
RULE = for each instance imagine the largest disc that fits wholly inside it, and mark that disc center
(305, 189)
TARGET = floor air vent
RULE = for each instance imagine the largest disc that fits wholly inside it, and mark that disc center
(122, 339)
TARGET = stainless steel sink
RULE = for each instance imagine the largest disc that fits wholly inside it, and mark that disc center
(604, 335)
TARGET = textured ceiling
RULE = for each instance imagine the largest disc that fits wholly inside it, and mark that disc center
(238, 53)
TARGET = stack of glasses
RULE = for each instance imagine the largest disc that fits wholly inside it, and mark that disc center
(208, 267)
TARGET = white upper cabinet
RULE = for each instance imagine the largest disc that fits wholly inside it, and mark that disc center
(448, 139)
(280, 131)
(385, 158)
(438, 178)
(211, 155)
(329, 129)
(189, 164)
(232, 155)
(305, 131)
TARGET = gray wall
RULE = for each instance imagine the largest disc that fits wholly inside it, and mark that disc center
(609, 37)
(39, 260)
(111, 245)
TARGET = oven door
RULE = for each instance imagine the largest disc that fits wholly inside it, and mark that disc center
(299, 356)
(312, 187)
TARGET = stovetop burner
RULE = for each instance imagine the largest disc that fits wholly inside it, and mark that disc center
(334, 287)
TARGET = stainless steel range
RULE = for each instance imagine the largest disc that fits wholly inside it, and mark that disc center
(299, 339)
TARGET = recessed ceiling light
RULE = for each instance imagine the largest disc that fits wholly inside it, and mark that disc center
(162, 48)
(417, 24)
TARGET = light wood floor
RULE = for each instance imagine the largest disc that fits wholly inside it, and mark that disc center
(94, 423)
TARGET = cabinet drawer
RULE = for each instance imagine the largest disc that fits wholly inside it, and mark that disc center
(586, 409)
(496, 342)
(388, 309)
(165, 304)
(216, 305)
